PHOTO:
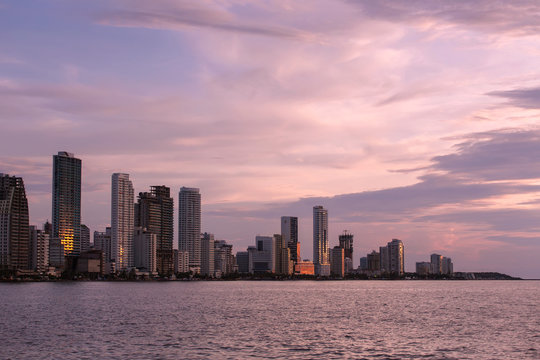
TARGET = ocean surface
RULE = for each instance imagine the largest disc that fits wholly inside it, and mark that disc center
(271, 319)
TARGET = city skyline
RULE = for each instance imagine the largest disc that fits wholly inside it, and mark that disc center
(417, 122)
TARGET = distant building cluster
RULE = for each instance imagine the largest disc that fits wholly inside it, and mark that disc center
(280, 253)
(389, 260)
(439, 265)
(140, 237)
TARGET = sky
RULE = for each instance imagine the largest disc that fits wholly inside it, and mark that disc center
(415, 120)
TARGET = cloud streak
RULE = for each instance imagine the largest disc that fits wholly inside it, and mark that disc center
(528, 98)
(184, 14)
(516, 18)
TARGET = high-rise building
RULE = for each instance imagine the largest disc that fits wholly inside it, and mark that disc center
(337, 261)
(39, 241)
(224, 259)
(85, 238)
(373, 262)
(66, 202)
(14, 224)
(242, 260)
(262, 256)
(447, 266)
(320, 238)
(189, 224)
(436, 264)
(207, 254)
(283, 263)
(56, 253)
(122, 220)
(396, 257)
(144, 250)
(154, 211)
(363, 263)
(346, 243)
(289, 232)
(384, 260)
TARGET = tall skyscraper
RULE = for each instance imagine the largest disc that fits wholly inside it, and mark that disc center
(122, 220)
(154, 211)
(66, 202)
(447, 266)
(14, 226)
(396, 255)
(346, 243)
(289, 232)
(189, 224)
(436, 264)
(320, 236)
(282, 254)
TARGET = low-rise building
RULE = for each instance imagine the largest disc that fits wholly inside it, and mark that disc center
(423, 268)
(304, 267)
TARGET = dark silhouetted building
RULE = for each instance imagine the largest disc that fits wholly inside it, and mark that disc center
(154, 211)
(289, 232)
(337, 261)
(14, 225)
(66, 202)
(346, 243)
(85, 238)
(242, 260)
(208, 258)
(373, 262)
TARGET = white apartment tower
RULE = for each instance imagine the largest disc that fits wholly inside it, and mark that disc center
(320, 236)
(122, 221)
(396, 254)
(145, 250)
(189, 224)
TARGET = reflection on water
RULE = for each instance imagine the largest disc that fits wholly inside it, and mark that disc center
(271, 319)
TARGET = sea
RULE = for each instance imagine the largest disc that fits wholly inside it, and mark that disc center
(370, 319)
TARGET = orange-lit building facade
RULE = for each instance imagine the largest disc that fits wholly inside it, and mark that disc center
(304, 268)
